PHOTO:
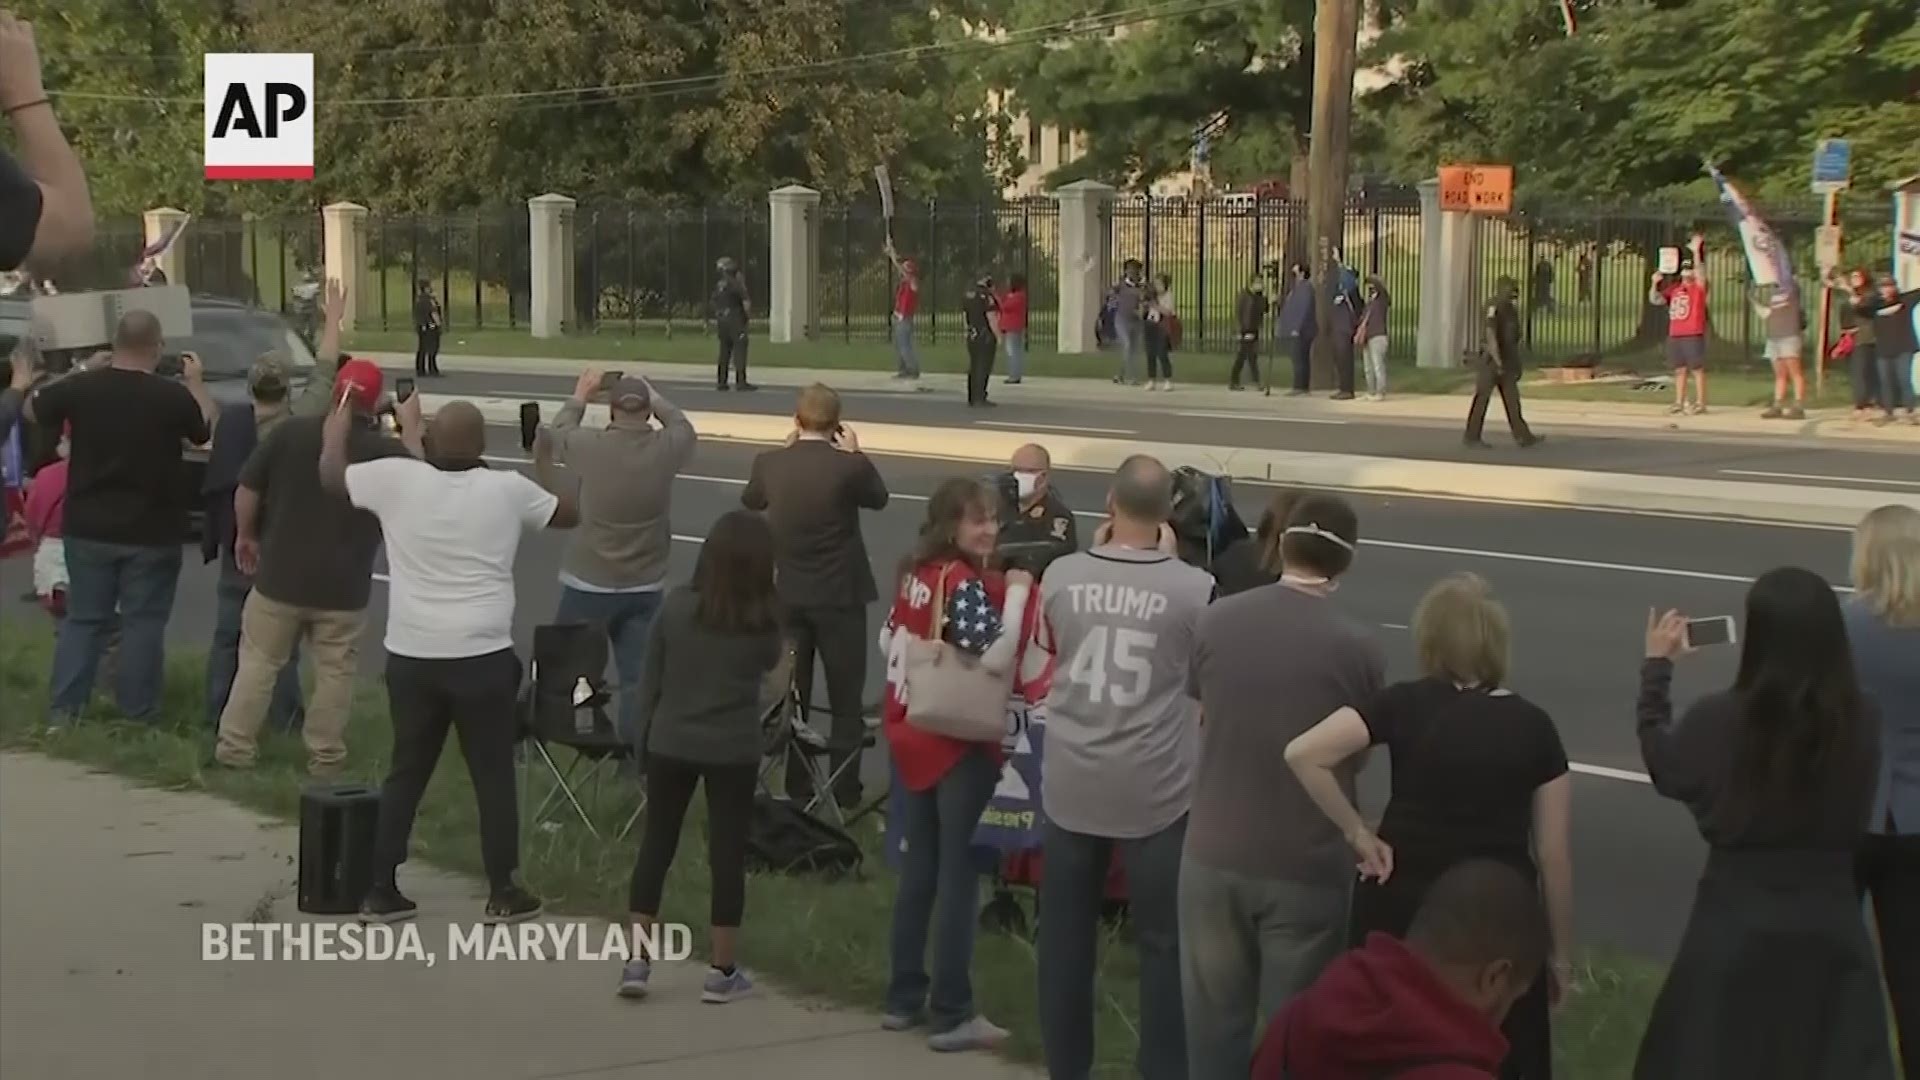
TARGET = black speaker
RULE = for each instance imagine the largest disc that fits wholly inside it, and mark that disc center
(337, 827)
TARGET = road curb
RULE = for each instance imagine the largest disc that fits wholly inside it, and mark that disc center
(1522, 484)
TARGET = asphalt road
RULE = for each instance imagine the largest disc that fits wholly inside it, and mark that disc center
(1578, 584)
(1890, 467)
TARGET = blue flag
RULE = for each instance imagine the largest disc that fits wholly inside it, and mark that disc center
(1766, 256)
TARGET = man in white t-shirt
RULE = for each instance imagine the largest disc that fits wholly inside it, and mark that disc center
(452, 528)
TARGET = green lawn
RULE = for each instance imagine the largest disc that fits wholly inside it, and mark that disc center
(1732, 385)
(824, 939)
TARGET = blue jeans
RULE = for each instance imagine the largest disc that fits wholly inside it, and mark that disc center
(906, 360)
(1016, 341)
(1131, 340)
(626, 617)
(1073, 885)
(136, 582)
(1896, 380)
(939, 890)
(1247, 945)
(223, 659)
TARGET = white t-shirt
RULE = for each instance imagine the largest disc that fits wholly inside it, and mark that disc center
(451, 538)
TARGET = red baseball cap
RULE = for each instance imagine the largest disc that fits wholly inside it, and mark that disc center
(359, 381)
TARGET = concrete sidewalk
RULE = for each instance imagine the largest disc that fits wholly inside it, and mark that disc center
(1437, 410)
(103, 890)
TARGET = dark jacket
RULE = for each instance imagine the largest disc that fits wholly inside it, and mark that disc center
(813, 495)
(1893, 324)
(1250, 312)
(1380, 1011)
(426, 312)
(1298, 316)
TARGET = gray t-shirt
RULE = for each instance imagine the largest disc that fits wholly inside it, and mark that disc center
(1128, 300)
(1268, 664)
(1121, 738)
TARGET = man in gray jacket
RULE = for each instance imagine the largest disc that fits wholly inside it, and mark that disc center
(616, 563)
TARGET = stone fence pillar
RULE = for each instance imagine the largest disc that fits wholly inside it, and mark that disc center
(343, 231)
(1086, 244)
(793, 263)
(550, 219)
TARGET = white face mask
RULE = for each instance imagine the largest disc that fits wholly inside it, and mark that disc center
(1026, 483)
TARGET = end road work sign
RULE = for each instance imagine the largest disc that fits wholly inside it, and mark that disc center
(259, 116)
(1832, 166)
(1477, 189)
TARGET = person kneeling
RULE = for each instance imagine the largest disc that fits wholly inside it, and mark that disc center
(1428, 1008)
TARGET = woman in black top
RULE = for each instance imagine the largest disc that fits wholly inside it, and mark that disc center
(714, 653)
(1775, 977)
(1478, 772)
(1244, 565)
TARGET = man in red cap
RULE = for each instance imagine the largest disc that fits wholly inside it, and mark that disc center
(310, 556)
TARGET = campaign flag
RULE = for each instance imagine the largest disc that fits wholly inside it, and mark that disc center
(1766, 256)
(885, 184)
(150, 255)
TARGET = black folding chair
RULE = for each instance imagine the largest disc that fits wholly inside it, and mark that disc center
(790, 744)
(564, 705)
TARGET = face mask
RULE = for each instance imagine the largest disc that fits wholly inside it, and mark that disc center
(1026, 483)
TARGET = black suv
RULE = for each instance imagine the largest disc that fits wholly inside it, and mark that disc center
(228, 336)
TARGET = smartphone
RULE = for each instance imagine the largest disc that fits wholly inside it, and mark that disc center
(402, 388)
(529, 424)
(607, 382)
(1718, 630)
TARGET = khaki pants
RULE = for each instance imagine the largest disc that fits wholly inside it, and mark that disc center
(269, 630)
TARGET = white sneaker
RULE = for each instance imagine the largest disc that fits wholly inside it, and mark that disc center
(978, 1033)
(1167, 386)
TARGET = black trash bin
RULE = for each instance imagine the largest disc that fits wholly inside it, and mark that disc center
(336, 847)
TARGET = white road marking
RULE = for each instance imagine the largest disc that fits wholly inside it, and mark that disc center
(1606, 773)
(1263, 419)
(1868, 480)
(1075, 429)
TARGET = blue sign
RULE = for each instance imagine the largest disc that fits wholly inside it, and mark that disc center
(1832, 165)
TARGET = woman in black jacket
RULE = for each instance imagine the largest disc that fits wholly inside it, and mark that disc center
(1251, 563)
(1775, 977)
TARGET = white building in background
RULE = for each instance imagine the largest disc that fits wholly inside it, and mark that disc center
(1046, 147)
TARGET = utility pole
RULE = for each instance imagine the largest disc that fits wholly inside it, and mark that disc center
(1336, 43)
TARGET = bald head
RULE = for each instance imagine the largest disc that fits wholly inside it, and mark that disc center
(1143, 491)
(137, 339)
(457, 433)
(1032, 458)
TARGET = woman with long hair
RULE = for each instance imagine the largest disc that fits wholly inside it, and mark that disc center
(946, 782)
(1775, 976)
(1244, 566)
(1883, 623)
(1478, 772)
(714, 655)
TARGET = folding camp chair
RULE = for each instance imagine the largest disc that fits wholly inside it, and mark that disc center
(787, 740)
(564, 706)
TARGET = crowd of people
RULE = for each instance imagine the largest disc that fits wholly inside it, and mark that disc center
(1205, 723)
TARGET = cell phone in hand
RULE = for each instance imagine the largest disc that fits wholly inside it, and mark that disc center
(1718, 630)
(607, 382)
(529, 424)
(402, 388)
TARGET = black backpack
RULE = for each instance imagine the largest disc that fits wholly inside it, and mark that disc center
(784, 839)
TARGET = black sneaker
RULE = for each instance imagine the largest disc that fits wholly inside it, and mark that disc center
(1532, 441)
(1476, 444)
(722, 387)
(384, 904)
(512, 904)
(746, 386)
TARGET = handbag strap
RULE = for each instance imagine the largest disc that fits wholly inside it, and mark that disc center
(938, 626)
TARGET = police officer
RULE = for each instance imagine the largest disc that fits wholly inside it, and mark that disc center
(981, 310)
(1500, 369)
(1036, 527)
(732, 308)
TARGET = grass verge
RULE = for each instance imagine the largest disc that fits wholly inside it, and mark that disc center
(1733, 386)
(822, 939)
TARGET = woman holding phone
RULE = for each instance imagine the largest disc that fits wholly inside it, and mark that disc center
(1775, 975)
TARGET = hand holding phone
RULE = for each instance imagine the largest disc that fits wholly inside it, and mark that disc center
(1718, 630)
(402, 388)
(529, 424)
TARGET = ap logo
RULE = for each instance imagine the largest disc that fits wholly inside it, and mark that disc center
(259, 116)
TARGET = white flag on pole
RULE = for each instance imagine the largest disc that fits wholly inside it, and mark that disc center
(886, 191)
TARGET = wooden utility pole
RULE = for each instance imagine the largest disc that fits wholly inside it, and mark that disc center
(1336, 43)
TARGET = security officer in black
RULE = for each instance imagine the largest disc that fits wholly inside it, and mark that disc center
(1500, 369)
(732, 309)
(981, 310)
(1036, 526)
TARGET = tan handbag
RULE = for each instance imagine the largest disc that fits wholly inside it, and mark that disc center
(949, 691)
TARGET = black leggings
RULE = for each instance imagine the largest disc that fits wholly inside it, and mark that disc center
(670, 784)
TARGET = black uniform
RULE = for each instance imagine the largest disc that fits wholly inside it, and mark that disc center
(978, 307)
(730, 323)
(426, 331)
(1499, 370)
(1249, 315)
(1032, 537)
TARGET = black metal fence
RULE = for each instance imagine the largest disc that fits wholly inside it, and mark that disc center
(1583, 273)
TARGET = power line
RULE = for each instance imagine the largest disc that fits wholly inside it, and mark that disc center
(608, 93)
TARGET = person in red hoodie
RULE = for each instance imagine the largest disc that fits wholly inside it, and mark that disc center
(1429, 1007)
(46, 510)
(947, 783)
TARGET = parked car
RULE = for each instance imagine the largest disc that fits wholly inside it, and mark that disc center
(228, 336)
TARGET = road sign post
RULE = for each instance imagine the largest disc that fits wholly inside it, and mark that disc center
(1832, 173)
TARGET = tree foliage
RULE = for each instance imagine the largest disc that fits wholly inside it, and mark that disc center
(1647, 89)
